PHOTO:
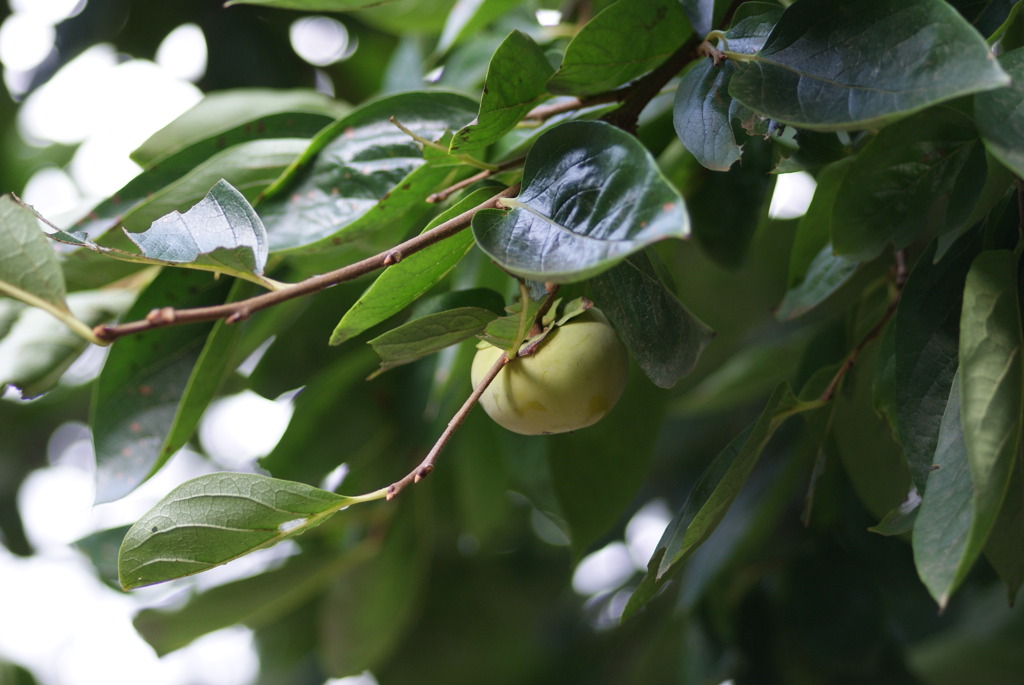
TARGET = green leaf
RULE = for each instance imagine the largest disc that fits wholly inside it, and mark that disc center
(904, 183)
(703, 14)
(471, 16)
(364, 174)
(429, 334)
(213, 519)
(38, 349)
(154, 386)
(945, 516)
(704, 112)
(624, 41)
(663, 337)
(847, 65)
(280, 589)
(1003, 549)
(514, 84)
(826, 273)
(592, 195)
(712, 495)
(927, 331)
(991, 383)
(408, 280)
(222, 233)
(999, 118)
(176, 183)
(29, 268)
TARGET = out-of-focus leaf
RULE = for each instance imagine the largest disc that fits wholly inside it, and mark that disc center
(402, 283)
(470, 16)
(212, 519)
(281, 590)
(704, 13)
(621, 43)
(429, 334)
(946, 514)
(176, 183)
(704, 112)
(711, 496)
(1003, 549)
(364, 174)
(222, 233)
(927, 330)
(907, 181)
(997, 113)
(313, 5)
(845, 65)
(825, 275)
(991, 384)
(663, 336)
(154, 386)
(592, 195)
(514, 83)
(38, 349)
(29, 268)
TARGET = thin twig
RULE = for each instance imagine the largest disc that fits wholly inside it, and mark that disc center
(233, 312)
(899, 280)
(545, 112)
(427, 465)
(443, 195)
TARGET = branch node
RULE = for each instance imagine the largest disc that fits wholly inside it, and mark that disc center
(164, 316)
(392, 258)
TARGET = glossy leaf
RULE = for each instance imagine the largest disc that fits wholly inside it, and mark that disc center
(704, 113)
(212, 519)
(408, 280)
(998, 114)
(663, 337)
(592, 195)
(514, 84)
(904, 183)
(944, 518)
(621, 43)
(363, 174)
(429, 334)
(991, 383)
(927, 331)
(711, 496)
(470, 16)
(221, 232)
(154, 386)
(845, 65)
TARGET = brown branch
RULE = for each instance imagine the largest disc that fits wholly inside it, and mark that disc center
(899, 280)
(427, 465)
(232, 312)
(545, 112)
(443, 195)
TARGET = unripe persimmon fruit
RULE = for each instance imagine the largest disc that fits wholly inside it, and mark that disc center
(571, 381)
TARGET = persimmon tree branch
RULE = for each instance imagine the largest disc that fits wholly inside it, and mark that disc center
(233, 312)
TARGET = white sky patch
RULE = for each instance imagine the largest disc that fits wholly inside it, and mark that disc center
(183, 53)
(792, 196)
(238, 429)
(321, 40)
(548, 17)
(644, 531)
(25, 41)
(603, 570)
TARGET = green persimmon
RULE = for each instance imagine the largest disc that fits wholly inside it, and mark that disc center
(571, 381)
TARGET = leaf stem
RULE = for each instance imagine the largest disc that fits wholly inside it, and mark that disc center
(466, 159)
(233, 312)
(443, 195)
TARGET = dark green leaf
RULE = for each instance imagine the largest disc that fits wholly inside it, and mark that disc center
(429, 334)
(904, 183)
(363, 174)
(212, 519)
(663, 337)
(998, 114)
(514, 84)
(469, 17)
(1003, 549)
(154, 386)
(403, 283)
(704, 112)
(711, 496)
(703, 14)
(845, 65)
(222, 233)
(621, 43)
(592, 195)
(991, 383)
(313, 5)
(826, 274)
(927, 330)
